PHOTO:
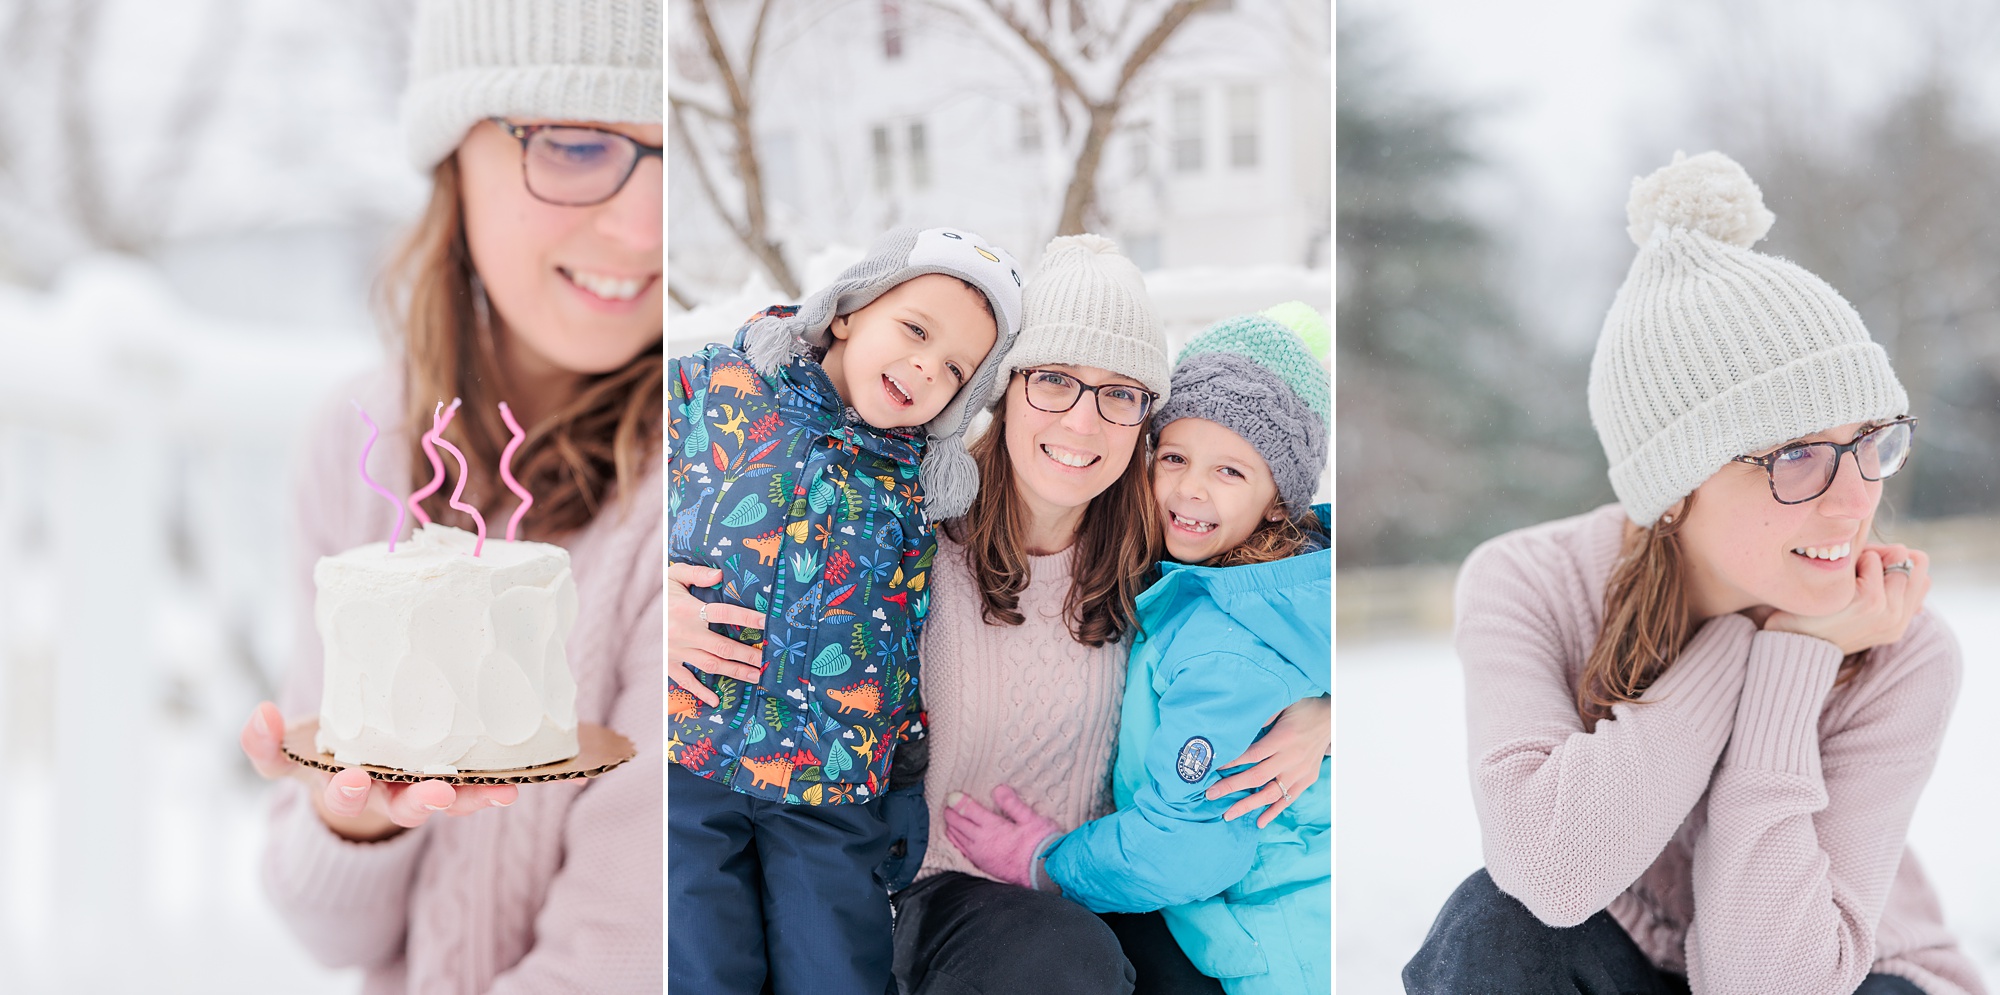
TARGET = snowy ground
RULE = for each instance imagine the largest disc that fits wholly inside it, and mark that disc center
(1407, 835)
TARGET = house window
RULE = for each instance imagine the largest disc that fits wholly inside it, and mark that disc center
(883, 174)
(1243, 126)
(1141, 145)
(920, 161)
(1187, 131)
(1030, 130)
(892, 30)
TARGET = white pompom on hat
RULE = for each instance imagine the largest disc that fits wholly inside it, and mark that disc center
(573, 60)
(1712, 350)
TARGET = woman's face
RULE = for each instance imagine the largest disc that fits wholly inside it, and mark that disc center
(1063, 460)
(577, 288)
(1212, 487)
(1746, 550)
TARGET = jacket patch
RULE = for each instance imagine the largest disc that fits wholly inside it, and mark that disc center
(1197, 754)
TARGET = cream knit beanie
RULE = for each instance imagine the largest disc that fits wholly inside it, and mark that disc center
(580, 60)
(1087, 305)
(1712, 351)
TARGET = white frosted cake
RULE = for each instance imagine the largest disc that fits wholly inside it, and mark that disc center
(440, 662)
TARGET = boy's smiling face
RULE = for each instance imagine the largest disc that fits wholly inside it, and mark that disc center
(898, 361)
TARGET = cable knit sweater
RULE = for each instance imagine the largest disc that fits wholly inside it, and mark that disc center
(1744, 822)
(559, 892)
(1027, 705)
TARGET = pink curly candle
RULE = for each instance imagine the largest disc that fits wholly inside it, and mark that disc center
(373, 433)
(459, 491)
(440, 417)
(507, 470)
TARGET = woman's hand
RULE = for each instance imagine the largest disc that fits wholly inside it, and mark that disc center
(354, 805)
(1003, 844)
(1884, 602)
(1287, 760)
(690, 641)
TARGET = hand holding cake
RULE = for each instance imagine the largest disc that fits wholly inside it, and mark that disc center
(354, 805)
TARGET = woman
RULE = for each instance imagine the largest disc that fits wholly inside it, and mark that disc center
(1700, 718)
(533, 278)
(1023, 656)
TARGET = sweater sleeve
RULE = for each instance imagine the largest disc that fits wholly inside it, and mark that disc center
(1171, 845)
(1806, 824)
(599, 930)
(1569, 818)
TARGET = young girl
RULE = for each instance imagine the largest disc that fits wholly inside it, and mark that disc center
(1239, 626)
(534, 278)
(1699, 719)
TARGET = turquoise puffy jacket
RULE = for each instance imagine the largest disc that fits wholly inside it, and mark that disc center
(1224, 649)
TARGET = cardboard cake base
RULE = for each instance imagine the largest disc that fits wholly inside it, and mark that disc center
(599, 750)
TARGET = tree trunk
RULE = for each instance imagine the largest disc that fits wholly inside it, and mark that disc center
(1080, 200)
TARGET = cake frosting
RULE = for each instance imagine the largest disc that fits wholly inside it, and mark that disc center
(438, 661)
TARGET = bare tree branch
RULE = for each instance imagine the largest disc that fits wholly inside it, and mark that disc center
(755, 229)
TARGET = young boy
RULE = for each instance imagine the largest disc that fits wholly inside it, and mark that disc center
(809, 458)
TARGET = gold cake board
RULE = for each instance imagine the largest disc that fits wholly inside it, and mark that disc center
(599, 750)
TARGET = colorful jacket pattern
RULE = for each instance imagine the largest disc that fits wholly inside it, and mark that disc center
(815, 518)
(1223, 649)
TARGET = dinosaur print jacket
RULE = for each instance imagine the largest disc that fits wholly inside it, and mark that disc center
(815, 518)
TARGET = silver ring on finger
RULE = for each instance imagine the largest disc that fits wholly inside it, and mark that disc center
(1903, 568)
(1281, 789)
(703, 614)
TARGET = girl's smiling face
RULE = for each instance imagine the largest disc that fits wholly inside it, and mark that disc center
(1212, 488)
(577, 288)
(1746, 550)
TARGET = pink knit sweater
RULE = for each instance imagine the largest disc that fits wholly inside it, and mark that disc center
(559, 892)
(1745, 821)
(1026, 705)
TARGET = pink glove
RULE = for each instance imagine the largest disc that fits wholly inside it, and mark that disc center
(1005, 846)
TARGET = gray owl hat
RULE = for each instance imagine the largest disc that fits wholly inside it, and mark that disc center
(950, 478)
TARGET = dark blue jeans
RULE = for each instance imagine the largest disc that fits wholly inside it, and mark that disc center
(768, 897)
(1486, 941)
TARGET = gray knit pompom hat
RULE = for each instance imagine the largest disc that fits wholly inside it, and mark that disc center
(1260, 376)
(950, 478)
(576, 60)
(1087, 305)
(1711, 350)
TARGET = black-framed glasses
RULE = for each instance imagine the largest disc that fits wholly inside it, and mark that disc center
(1055, 392)
(1803, 471)
(576, 167)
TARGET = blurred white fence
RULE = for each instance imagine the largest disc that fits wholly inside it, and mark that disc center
(145, 459)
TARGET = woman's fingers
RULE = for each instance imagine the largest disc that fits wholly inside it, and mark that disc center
(263, 739)
(470, 798)
(1243, 780)
(693, 574)
(724, 613)
(1268, 795)
(412, 805)
(346, 793)
(679, 674)
(1262, 749)
(747, 671)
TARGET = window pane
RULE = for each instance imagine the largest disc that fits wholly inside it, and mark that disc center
(920, 162)
(1243, 127)
(892, 29)
(1187, 131)
(1031, 130)
(883, 177)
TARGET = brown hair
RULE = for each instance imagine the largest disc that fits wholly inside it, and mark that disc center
(1117, 542)
(1270, 541)
(574, 455)
(1647, 622)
